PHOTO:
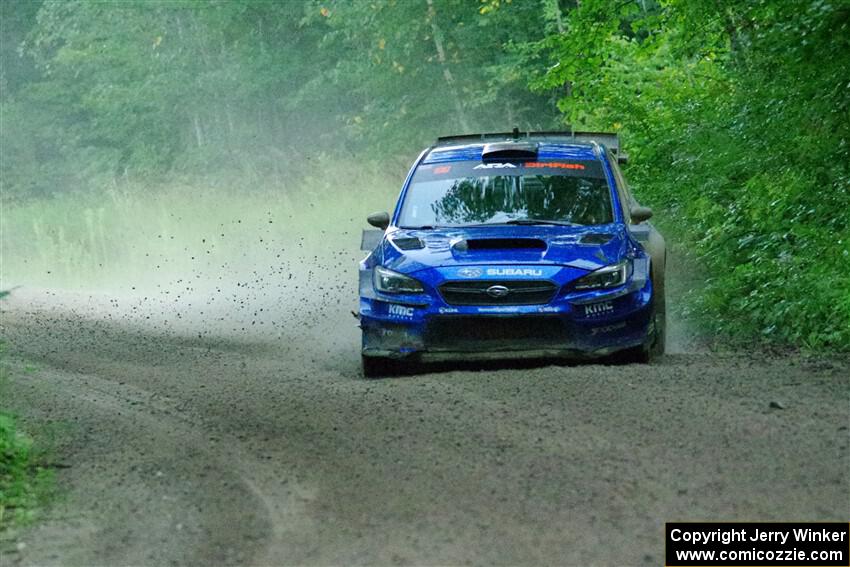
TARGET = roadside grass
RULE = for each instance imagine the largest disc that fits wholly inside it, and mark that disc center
(25, 484)
(132, 235)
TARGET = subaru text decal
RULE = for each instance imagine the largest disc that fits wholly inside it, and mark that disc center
(515, 272)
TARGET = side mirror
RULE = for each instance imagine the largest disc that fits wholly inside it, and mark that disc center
(622, 158)
(379, 220)
(640, 214)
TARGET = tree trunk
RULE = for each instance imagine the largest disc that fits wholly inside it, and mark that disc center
(559, 22)
(562, 30)
(447, 73)
(199, 133)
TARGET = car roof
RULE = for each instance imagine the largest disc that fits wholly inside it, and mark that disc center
(545, 151)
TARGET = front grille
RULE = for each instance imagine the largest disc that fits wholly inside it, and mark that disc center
(518, 292)
(515, 332)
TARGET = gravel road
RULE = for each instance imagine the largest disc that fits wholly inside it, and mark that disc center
(235, 428)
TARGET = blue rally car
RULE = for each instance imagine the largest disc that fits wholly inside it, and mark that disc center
(513, 244)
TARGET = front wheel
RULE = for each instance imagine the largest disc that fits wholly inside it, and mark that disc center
(635, 355)
(376, 366)
(645, 353)
(659, 345)
(660, 309)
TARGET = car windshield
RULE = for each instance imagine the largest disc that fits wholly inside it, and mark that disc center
(473, 193)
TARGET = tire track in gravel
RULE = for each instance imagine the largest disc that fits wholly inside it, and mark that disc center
(283, 512)
(275, 451)
(275, 515)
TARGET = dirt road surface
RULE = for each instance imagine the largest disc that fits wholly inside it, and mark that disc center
(235, 428)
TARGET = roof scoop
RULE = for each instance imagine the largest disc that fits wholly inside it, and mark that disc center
(509, 151)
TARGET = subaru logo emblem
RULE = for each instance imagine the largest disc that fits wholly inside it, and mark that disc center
(497, 291)
(470, 272)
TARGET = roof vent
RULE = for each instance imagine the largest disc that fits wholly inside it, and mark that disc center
(509, 151)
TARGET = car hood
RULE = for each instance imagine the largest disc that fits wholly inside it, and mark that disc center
(586, 248)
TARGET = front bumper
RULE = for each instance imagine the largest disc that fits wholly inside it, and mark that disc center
(586, 325)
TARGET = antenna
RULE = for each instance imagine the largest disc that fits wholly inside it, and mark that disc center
(516, 133)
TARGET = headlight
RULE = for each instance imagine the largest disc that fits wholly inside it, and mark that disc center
(388, 281)
(603, 278)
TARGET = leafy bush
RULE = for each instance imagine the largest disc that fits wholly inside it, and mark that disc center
(739, 132)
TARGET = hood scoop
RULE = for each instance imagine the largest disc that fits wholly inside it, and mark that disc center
(484, 244)
(408, 243)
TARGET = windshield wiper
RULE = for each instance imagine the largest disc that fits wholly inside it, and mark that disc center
(423, 227)
(520, 222)
(530, 222)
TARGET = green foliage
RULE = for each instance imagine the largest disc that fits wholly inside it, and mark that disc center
(22, 483)
(413, 71)
(15, 490)
(736, 117)
(121, 89)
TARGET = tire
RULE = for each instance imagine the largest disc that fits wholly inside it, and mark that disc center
(376, 367)
(635, 355)
(646, 353)
(659, 345)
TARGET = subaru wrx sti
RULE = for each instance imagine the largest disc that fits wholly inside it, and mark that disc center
(514, 244)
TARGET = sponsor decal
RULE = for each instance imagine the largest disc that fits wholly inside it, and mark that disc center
(442, 169)
(400, 311)
(554, 164)
(448, 310)
(498, 310)
(597, 309)
(608, 328)
(514, 272)
(495, 166)
(548, 310)
(470, 272)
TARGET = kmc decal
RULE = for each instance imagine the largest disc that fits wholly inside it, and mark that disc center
(596, 309)
(400, 311)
